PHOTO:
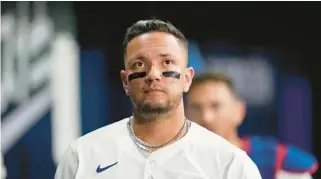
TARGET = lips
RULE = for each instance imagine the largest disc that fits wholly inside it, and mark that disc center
(153, 90)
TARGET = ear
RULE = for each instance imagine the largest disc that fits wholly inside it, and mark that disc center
(123, 76)
(240, 111)
(188, 77)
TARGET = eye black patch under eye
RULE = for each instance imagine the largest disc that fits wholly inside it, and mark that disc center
(136, 75)
(172, 74)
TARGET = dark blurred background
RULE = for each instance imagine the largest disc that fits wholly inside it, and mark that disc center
(286, 34)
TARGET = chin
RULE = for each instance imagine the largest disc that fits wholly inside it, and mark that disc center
(155, 105)
(154, 108)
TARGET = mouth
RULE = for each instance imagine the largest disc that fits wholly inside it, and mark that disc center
(153, 91)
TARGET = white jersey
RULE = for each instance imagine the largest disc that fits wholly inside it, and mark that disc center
(109, 152)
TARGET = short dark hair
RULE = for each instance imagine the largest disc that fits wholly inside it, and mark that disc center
(152, 25)
(210, 76)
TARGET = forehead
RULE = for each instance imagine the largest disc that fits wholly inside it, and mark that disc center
(209, 91)
(155, 44)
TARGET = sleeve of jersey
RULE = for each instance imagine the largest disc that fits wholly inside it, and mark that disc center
(298, 161)
(68, 165)
(242, 167)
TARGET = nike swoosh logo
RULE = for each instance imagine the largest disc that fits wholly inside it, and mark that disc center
(99, 170)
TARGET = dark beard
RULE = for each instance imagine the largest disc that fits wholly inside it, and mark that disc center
(149, 110)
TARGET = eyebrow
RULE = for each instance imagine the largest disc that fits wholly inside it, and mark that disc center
(142, 57)
(165, 55)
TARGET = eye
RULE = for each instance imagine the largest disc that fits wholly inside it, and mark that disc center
(138, 64)
(168, 61)
(215, 105)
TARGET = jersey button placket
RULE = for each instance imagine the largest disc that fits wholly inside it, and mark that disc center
(150, 166)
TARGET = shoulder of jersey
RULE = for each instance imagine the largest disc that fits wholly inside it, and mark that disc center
(294, 159)
(299, 161)
(262, 143)
(108, 133)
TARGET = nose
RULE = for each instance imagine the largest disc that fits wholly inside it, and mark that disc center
(153, 74)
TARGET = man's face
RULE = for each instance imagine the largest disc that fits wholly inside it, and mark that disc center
(155, 53)
(213, 106)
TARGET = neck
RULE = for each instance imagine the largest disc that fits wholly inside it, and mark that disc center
(235, 139)
(161, 128)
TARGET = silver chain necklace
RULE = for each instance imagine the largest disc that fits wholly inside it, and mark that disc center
(144, 146)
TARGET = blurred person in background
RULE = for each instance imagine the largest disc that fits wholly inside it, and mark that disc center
(157, 141)
(212, 102)
(3, 168)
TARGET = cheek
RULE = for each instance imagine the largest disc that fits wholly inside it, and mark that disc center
(174, 85)
(135, 86)
(224, 119)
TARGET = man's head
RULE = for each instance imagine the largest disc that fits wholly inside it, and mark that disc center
(156, 73)
(213, 103)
